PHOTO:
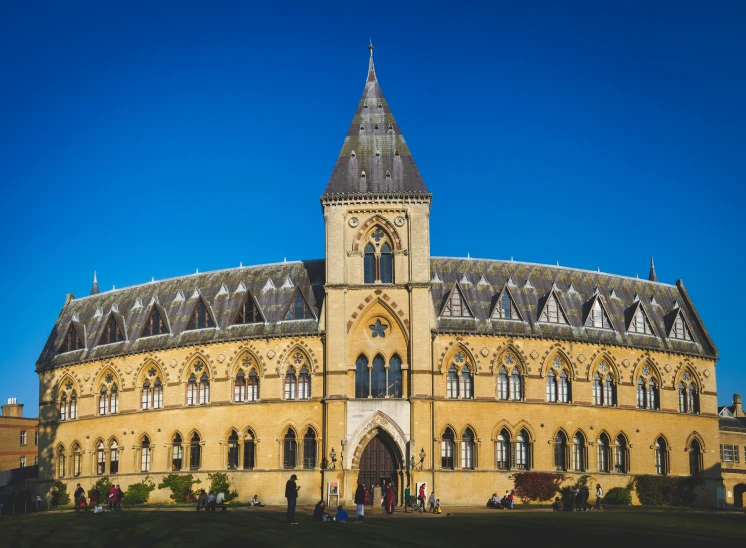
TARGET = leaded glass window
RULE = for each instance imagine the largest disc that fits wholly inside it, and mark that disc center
(248, 452)
(552, 312)
(249, 311)
(502, 450)
(446, 450)
(252, 386)
(603, 453)
(456, 306)
(112, 333)
(309, 450)
(597, 317)
(192, 390)
(177, 454)
(640, 323)
(522, 449)
(146, 395)
(73, 405)
(563, 394)
(692, 399)
(467, 383)
(516, 392)
(157, 394)
(195, 452)
(298, 309)
(204, 389)
(103, 401)
(621, 459)
(502, 384)
(77, 460)
(200, 317)
(609, 390)
(155, 324)
(551, 387)
(695, 459)
(560, 451)
(233, 451)
(378, 378)
(100, 459)
(114, 458)
(289, 450)
(680, 330)
(452, 383)
(661, 457)
(72, 341)
(291, 384)
(145, 455)
(597, 390)
(652, 395)
(395, 377)
(387, 264)
(682, 398)
(641, 403)
(467, 450)
(578, 452)
(239, 388)
(304, 384)
(369, 264)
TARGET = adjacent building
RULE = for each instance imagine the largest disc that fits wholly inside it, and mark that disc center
(19, 437)
(733, 452)
(379, 362)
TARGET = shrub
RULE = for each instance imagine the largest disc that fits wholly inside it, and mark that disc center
(537, 485)
(139, 493)
(181, 487)
(618, 496)
(219, 482)
(103, 484)
(666, 490)
(60, 496)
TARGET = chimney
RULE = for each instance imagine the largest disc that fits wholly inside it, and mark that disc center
(737, 407)
(12, 408)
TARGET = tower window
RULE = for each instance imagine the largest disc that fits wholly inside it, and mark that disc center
(378, 260)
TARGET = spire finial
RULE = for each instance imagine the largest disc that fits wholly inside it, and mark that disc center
(652, 276)
(371, 67)
(94, 287)
(370, 47)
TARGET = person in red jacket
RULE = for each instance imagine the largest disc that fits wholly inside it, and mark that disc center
(112, 497)
(421, 496)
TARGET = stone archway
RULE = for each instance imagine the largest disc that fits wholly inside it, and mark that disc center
(380, 462)
(738, 495)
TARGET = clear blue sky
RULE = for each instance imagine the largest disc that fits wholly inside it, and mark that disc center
(151, 139)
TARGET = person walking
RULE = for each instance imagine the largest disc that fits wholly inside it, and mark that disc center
(360, 501)
(599, 497)
(291, 493)
(511, 498)
(431, 502)
(421, 496)
(585, 494)
(578, 499)
(407, 499)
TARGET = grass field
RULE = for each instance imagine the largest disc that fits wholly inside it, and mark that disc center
(266, 527)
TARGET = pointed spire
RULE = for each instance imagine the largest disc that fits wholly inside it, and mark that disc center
(371, 67)
(652, 277)
(94, 287)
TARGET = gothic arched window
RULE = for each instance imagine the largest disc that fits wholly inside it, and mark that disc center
(239, 388)
(446, 450)
(100, 459)
(248, 451)
(467, 450)
(204, 389)
(551, 387)
(147, 395)
(603, 453)
(621, 455)
(502, 450)
(695, 458)
(641, 399)
(77, 460)
(452, 383)
(502, 384)
(252, 386)
(692, 399)
(73, 414)
(177, 453)
(661, 456)
(304, 384)
(378, 259)
(378, 378)
(61, 462)
(369, 264)
(233, 451)
(63, 407)
(103, 401)
(522, 451)
(395, 377)
(516, 391)
(597, 390)
(309, 449)
(467, 383)
(652, 395)
(387, 264)
(291, 384)
(560, 451)
(114, 458)
(192, 390)
(563, 394)
(145, 454)
(578, 452)
(157, 394)
(289, 450)
(195, 452)
(362, 377)
(682, 398)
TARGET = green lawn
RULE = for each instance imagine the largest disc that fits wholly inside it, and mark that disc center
(265, 527)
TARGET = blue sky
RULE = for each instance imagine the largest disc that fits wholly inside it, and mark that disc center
(152, 139)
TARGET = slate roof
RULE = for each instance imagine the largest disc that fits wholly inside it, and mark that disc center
(220, 290)
(576, 302)
(375, 147)
(733, 424)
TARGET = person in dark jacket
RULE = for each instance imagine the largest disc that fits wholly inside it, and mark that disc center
(360, 501)
(291, 493)
(585, 494)
(120, 497)
(320, 511)
(79, 492)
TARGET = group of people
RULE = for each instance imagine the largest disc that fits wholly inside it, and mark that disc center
(209, 501)
(320, 514)
(114, 498)
(581, 495)
(503, 503)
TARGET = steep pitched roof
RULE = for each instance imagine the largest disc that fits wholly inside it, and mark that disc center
(375, 157)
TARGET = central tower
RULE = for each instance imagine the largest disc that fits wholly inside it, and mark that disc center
(376, 212)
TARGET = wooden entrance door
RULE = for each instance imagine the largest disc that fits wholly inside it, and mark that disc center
(378, 463)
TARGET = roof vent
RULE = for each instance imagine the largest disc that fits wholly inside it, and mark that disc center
(179, 297)
(528, 284)
(76, 317)
(396, 153)
(596, 291)
(269, 285)
(675, 304)
(138, 304)
(195, 295)
(376, 127)
(653, 301)
(571, 289)
(362, 175)
(388, 175)
(241, 288)
(483, 281)
(378, 153)
(636, 297)
(352, 154)
(380, 105)
(510, 282)
(464, 280)
(99, 312)
(391, 127)
(223, 291)
(555, 286)
(365, 106)
(436, 279)
(613, 294)
(288, 283)
(362, 127)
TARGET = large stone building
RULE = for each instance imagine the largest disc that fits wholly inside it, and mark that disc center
(381, 362)
(733, 452)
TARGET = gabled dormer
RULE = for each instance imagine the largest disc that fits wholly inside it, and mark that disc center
(298, 308)
(638, 321)
(74, 338)
(680, 329)
(596, 315)
(201, 316)
(553, 311)
(456, 305)
(249, 311)
(114, 330)
(156, 322)
(505, 307)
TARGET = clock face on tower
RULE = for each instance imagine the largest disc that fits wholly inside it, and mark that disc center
(399, 221)
(354, 222)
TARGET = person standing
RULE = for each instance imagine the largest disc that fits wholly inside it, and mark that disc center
(512, 499)
(360, 501)
(585, 493)
(120, 497)
(111, 497)
(407, 499)
(79, 492)
(390, 501)
(291, 493)
(431, 502)
(421, 496)
(599, 497)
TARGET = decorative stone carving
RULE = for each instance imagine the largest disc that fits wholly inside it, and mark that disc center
(129, 369)
(399, 221)
(625, 363)
(221, 358)
(86, 376)
(534, 354)
(706, 372)
(353, 222)
(581, 358)
(173, 363)
(603, 368)
(509, 359)
(556, 363)
(485, 351)
(667, 367)
(271, 354)
(686, 376)
(646, 371)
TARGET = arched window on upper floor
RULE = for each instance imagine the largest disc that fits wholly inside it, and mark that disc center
(558, 387)
(661, 456)
(604, 450)
(604, 389)
(452, 383)
(233, 451)
(647, 389)
(289, 450)
(63, 407)
(696, 464)
(467, 383)
(467, 450)
(192, 398)
(579, 456)
(378, 259)
(502, 384)
(204, 389)
(502, 450)
(621, 455)
(309, 449)
(446, 450)
(108, 399)
(688, 395)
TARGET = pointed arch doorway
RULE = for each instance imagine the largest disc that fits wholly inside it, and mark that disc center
(380, 462)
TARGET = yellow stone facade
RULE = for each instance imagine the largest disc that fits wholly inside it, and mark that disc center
(343, 423)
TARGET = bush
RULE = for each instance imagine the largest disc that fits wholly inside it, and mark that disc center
(103, 484)
(666, 490)
(139, 493)
(618, 496)
(219, 482)
(537, 485)
(181, 487)
(60, 496)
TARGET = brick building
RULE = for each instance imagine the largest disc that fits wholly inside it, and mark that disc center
(19, 437)
(381, 363)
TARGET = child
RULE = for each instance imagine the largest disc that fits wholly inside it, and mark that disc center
(431, 501)
(438, 509)
(342, 516)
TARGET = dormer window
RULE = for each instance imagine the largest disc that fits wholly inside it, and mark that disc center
(200, 317)
(72, 340)
(112, 333)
